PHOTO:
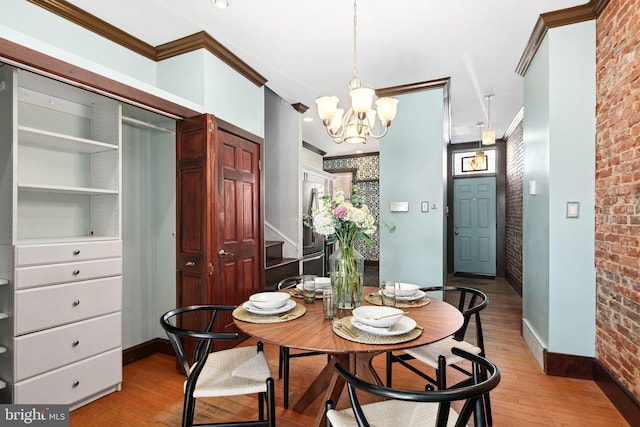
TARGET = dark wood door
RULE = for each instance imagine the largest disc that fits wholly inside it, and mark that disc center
(219, 232)
(238, 219)
(193, 217)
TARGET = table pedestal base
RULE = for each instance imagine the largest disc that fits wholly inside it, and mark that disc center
(332, 384)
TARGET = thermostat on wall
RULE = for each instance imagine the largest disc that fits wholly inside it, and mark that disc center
(399, 206)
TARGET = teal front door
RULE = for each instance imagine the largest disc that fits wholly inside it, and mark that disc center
(474, 222)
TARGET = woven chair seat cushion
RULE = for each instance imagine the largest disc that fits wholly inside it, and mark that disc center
(395, 413)
(429, 353)
(232, 372)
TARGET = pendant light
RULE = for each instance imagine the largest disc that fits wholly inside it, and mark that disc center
(489, 134)
(480, 158)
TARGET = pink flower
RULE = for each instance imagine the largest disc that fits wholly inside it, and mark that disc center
(340, 212)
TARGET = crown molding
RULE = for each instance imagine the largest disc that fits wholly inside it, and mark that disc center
(300, 108)
(313, 148)
(203, 40)
(514, 124)
(190, 43)
(413, 87)
(558, 18)
(96, 25)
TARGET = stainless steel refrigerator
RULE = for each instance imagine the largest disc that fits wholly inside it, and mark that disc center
(313, 244)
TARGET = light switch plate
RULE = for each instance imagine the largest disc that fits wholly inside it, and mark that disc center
(399, 206)
(573, 209)
(424, 206)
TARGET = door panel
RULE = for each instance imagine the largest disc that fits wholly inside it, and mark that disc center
(474, 225)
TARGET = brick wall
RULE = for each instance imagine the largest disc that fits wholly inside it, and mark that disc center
(513, 208)
(618, 192)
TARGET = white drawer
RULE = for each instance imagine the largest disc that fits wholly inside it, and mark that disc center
(29, 277)
(55, 305)
(66, 252)
(65, 344)
(72, 383)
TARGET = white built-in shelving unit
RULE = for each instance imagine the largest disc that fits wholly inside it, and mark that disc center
(60, 242)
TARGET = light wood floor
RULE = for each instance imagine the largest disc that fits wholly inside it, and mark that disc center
(152, 389)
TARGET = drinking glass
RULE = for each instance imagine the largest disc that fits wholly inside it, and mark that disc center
(388, 293)
(329, 309)
(309, 288)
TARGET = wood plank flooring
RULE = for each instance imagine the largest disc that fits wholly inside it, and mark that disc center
(152, 389)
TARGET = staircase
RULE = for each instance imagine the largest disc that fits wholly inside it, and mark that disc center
(277, 267)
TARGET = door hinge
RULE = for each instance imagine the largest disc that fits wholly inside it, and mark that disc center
(259, 165)
(210, 269)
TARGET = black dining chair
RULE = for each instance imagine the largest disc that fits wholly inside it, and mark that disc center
(285, 354)
(231, 372)
(402, 407)
(438, 355)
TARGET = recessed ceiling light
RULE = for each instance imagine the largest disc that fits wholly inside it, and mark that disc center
(308, 119)
(221, 4)
(358, 151)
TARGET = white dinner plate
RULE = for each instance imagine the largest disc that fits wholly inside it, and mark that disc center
(404, 325)
(414, 297)
(268, 311)
(321, 283)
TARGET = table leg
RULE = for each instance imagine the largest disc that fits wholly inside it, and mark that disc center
(358, 363)
(325, 380)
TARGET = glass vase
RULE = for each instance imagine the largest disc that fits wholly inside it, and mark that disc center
(346, 268)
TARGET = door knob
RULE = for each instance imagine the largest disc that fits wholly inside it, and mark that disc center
(222, 252)
(456, 232)
(190, 264)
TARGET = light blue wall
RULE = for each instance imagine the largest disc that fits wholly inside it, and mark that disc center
(572, 90)
(412, 169)
(196, 80)
(32, 26)
(559, 140)
(148, 224)
(535, 215)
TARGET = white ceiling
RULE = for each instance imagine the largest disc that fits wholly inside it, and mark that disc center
(304, 48)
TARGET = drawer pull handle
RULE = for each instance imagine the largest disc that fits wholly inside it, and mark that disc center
(76, 303)
(76, 252)
(76, 272)
(76, 383)
(190, 264)
(75, 343)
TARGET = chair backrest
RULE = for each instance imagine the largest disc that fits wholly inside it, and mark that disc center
(470, 302)
(486, 377)
(173, 323)
(289, 282)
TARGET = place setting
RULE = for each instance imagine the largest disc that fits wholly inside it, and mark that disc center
(319, 283)
(398, 294)
(377, 325)
(269, 307)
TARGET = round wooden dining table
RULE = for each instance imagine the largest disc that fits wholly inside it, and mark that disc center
(313, 332)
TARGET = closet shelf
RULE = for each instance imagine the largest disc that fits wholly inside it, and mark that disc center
(3, 349)
(61, 189)
(2, 384)
(52, 140)
(3, 282)
(3, 315)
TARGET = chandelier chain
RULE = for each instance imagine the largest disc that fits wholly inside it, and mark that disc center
(355, 43)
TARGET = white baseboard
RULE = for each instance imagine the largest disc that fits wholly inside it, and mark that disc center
(533, 343)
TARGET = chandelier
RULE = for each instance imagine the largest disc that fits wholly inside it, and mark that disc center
(358, 122)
